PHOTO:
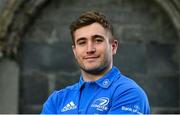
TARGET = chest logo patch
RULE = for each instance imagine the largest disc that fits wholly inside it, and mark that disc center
(101, 104)
(70, 106)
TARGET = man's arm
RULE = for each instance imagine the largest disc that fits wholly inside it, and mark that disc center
(48, 106)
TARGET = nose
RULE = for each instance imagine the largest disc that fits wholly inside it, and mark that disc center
(90, 48)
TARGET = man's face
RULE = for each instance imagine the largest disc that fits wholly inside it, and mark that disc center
(93, 49)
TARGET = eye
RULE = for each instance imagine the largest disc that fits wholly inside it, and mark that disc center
(81, 42)
(98, 40)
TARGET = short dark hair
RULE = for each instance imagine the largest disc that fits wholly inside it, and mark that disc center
(88, 18)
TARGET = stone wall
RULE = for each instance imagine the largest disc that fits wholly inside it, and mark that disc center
(9, 84)
(37, 38)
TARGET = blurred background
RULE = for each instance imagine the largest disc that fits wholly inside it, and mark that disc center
(36, 56)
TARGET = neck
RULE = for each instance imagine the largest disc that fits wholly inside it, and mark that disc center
(87, 77)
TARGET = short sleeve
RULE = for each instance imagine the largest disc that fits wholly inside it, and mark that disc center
(49, 105)
(131, 101)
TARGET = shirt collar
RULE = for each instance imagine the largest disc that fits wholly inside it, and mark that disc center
(81, 83)
(106, 80)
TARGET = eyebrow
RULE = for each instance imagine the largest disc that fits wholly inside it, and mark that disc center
(94, 36)
(97, 36)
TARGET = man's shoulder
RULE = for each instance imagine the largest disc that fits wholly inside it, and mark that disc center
(72, 87)
(69, 88)
(59, 94)
(124, 81)
(128, 94)
(125, 84)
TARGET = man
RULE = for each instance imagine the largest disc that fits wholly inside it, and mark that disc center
(102, 89)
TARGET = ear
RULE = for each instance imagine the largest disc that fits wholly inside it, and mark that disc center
(74, 50)
(114, 46)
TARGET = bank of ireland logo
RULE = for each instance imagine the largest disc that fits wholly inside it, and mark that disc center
(101, 104)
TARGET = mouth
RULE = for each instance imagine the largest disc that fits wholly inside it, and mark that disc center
(91, 57)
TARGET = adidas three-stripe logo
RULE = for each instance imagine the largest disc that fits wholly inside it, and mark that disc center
(69, 106)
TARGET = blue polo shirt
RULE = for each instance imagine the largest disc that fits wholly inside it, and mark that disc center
(114, 93)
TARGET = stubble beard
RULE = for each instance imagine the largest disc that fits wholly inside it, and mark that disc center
(96, 70)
